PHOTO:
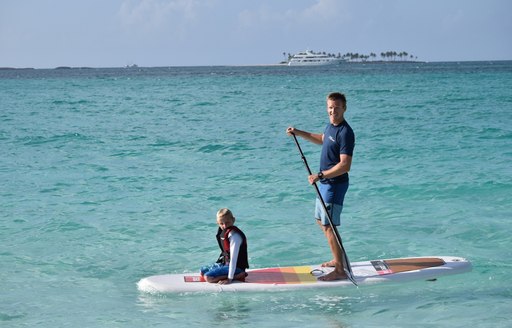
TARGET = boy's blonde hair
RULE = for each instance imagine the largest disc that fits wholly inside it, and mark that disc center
(225, 212)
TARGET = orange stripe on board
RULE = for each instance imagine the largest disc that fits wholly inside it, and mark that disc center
(287, 275)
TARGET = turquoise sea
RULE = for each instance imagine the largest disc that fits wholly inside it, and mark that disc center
(112, 175)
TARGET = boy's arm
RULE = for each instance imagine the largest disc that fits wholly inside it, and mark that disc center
(235, 241)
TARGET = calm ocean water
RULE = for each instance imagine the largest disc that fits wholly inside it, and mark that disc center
(111, 175)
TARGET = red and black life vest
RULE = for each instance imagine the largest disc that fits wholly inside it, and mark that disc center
(242, 261)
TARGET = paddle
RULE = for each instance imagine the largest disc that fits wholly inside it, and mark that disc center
(346, 263)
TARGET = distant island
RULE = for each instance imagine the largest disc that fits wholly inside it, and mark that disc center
(307, 58)
(13, 68)
(387, 56)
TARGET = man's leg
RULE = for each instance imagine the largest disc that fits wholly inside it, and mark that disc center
(339, 271)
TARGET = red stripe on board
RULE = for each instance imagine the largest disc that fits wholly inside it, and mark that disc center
(266, 276)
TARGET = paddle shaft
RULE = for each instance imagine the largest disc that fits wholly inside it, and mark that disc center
(347, 267)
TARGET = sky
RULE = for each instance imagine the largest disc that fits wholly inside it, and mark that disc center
(116, 33)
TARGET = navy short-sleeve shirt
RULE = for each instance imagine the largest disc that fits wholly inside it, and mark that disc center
(338, 140)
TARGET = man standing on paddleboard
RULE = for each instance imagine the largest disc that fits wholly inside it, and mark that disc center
(338, 141)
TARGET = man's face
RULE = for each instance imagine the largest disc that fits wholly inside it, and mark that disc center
(335, 109)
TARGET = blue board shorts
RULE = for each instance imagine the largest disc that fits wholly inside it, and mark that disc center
(217, 270)
(333, 196)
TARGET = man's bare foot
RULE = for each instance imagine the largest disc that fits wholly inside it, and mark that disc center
(334, 275)
(331, 264)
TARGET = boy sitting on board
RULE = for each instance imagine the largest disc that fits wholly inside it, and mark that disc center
(233, 259)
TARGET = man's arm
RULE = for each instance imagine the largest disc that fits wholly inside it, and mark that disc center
(342, 167)
(315, 138)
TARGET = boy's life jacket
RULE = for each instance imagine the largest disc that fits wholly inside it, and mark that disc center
(224, 258)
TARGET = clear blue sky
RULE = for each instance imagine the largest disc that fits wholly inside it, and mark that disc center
(114, 33)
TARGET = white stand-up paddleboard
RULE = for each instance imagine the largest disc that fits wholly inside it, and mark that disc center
(301, 277)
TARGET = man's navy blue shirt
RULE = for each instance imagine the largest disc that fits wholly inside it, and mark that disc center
(338, 140)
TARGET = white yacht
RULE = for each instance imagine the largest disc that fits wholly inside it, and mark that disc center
(310, 58)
